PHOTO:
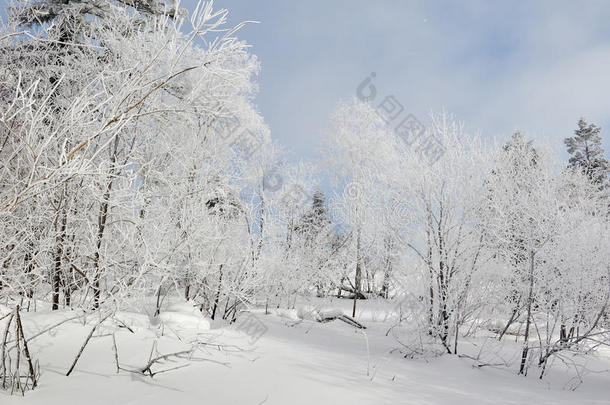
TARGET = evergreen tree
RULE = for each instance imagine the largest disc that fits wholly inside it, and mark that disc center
(40, 12)
(313, 242)
(315, 219)
(519, 163)
(522, 159)
(587, 153)
(521, 147)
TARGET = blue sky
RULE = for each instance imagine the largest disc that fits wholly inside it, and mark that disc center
(498, 66)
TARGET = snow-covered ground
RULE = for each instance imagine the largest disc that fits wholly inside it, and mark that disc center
(293, 362)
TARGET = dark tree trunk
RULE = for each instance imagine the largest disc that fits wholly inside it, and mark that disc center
(512, 318)
(358, 279)
(101, 227)
(530, 297)
(217, 298)
(58, 259)
(29, 269)
(443, 285)
(385, 287)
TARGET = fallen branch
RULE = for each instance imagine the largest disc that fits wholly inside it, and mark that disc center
(148, 367)
(332, 315)
(116, 354)
(478, 362)
(123, 325)
(80, 352)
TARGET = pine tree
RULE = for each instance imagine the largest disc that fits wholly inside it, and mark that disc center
(40, 12)
(315, 219)
(520, 163)
(587, 153)
(314, 241)
(520, 146)
(523, 160)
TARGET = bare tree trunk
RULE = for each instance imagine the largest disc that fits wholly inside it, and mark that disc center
(58, 257)
(385, 288)
(187, 290)
(187, 278)
(358, 279)
(530, 297)
(159, 302)
(29, 270)
(261, 227)
(512, 318)
(431, 296)
(217, 298)
(101, 226)
(443, 284)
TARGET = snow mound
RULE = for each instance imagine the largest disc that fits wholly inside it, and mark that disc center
(184, 318)
(312, 313)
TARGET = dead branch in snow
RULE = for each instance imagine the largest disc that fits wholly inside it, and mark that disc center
(80, 352)
(158, 359)
(116, 354)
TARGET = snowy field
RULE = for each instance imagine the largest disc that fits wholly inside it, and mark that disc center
(293, 362)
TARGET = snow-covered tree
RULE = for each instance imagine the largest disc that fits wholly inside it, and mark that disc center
(360, 152)
(587, 152)
(123, 131)
(441, 229)
(531, 209)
